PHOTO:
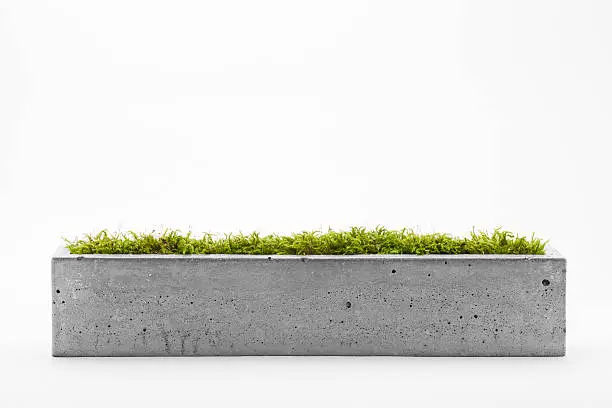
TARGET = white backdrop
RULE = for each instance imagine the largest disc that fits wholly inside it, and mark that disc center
(284, 116)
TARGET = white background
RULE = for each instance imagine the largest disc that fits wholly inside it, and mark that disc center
(282, 116)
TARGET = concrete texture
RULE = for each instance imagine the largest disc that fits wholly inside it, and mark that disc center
(230, 305)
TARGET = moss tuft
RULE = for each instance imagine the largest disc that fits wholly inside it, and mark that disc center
(356, 241)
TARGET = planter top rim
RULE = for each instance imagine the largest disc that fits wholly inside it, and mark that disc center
(63, 253)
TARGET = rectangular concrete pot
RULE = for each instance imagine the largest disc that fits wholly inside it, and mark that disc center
(235, 305)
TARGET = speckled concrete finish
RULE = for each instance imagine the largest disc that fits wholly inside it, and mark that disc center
(462, 305)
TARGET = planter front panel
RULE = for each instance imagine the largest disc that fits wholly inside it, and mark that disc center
(320, 305)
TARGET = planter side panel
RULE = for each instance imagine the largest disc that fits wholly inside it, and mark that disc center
(414, 306)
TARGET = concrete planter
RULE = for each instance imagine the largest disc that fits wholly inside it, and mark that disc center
(208, 305)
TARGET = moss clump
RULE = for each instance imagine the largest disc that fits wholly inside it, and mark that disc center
(353, 242)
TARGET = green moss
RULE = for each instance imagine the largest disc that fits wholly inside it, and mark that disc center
(355, 241)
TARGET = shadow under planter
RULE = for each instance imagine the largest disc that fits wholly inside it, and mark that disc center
(238, 305)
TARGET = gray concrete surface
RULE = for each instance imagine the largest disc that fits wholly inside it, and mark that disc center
(209, 305)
